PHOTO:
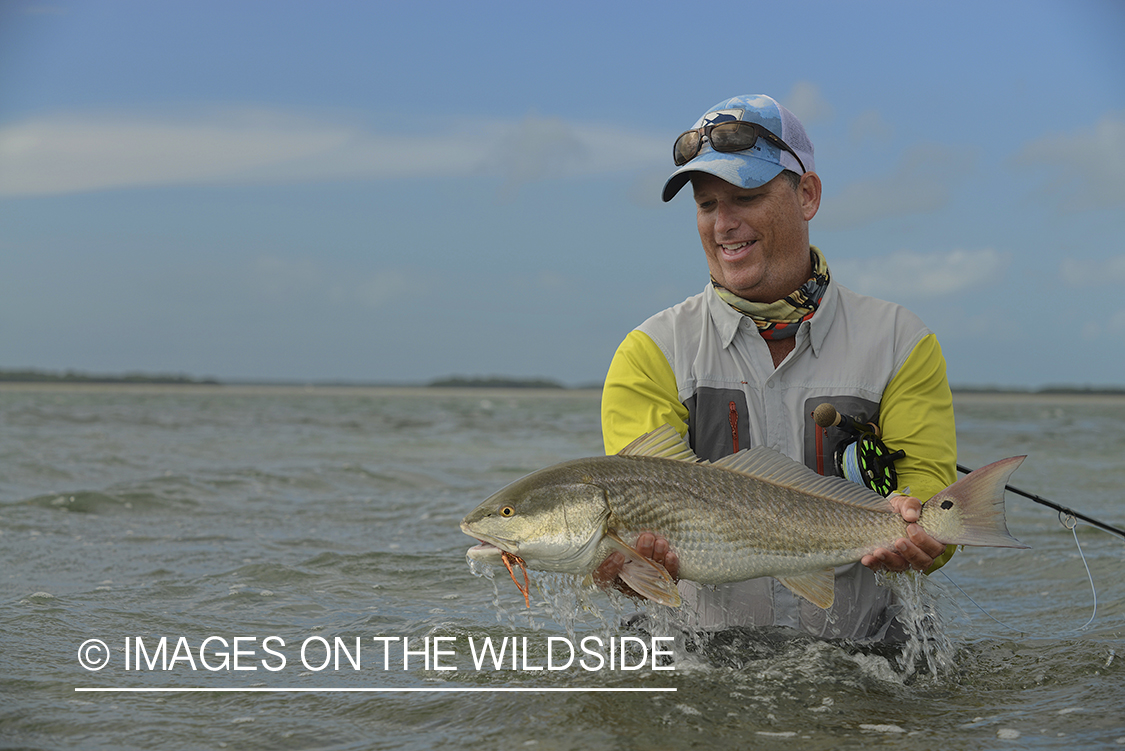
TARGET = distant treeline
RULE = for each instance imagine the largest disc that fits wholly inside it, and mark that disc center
(1044, 391)
(464, 382)
(502, 382)
(495, 382)
(71, 376)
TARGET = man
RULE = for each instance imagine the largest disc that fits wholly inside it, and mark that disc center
(773, 335)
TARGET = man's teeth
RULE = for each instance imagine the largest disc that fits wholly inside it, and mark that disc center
(736, 246)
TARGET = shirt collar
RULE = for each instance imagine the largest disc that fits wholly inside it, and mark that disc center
(821, 321)
(728, 321)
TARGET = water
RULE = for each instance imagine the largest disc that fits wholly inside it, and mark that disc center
(311, 515)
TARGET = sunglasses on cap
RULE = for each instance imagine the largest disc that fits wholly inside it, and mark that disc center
(732, 135)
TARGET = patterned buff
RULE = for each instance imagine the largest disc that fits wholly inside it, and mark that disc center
(781, 319)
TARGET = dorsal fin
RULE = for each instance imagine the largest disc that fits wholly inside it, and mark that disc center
(663, 443)
(761, 463)
(769, 465)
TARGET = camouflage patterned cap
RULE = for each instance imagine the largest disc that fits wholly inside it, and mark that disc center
(757, 165)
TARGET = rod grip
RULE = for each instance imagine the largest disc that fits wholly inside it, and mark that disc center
(826, 416)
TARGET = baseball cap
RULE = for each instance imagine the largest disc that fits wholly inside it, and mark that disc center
(754, 166)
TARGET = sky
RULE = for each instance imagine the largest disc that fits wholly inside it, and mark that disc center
(387, 192)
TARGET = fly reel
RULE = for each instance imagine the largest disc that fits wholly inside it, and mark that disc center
(868, 461)
(865, 459)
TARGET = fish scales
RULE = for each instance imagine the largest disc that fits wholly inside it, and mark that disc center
(729, 527)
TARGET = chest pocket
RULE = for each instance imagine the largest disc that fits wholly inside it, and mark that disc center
(821, 443)
(718, 422)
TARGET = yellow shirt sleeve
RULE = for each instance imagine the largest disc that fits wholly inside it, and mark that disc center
(916, 416)
(640, 394)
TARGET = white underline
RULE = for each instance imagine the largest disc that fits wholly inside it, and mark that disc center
(369, 690)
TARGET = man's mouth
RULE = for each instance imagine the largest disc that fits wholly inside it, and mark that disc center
(735, 251)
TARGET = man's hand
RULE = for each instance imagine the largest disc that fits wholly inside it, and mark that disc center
(915, 551)
(648, 545)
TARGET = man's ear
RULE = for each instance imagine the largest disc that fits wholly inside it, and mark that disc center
(808, 193)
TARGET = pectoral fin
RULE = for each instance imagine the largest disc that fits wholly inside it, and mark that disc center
(647, 577)
(819, 587)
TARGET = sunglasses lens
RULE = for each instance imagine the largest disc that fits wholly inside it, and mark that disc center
(685, 148)
(735, 136)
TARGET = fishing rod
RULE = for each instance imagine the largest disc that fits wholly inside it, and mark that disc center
(1051, 504)
(868, 461)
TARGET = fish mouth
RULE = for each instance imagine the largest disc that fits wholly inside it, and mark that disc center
(486, 552)
(490, 550)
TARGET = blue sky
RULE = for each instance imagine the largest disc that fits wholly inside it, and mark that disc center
(396, 192)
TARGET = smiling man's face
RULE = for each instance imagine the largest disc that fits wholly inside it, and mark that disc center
(757, 239)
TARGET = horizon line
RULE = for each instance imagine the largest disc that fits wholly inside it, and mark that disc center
(495, 382)
(464, 689)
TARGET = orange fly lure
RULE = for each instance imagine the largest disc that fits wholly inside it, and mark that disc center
(524, 588)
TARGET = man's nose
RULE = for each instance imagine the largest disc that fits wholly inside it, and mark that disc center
(726, 218)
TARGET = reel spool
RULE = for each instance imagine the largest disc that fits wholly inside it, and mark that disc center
(868, 461)
(865, 460)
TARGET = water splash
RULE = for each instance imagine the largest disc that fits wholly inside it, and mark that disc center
(922, 650)
(927, 649)
(563, 600)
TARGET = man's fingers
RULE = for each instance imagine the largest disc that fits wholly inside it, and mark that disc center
(915, 551)
(648, 545)
(645, 543)
(672, 564)
(908, 507)
(905, 556)
(605, 574)
(884, 560)
(922, 539)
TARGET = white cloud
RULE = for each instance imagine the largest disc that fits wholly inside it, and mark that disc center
(921, 183)
(1092, 273)
(910, 275)
(1086, 166)
(279, 278)
(538, 148)
(806, 102)
(73, 153)
(870, 126)
(376, 290)
(68, 154)
(1112, 326)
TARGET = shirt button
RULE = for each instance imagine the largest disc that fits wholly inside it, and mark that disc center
(770, 384)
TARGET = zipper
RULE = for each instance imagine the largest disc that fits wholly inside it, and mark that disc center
(734, 426)
(820, 433)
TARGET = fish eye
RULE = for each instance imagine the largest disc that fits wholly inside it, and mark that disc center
(507, 511)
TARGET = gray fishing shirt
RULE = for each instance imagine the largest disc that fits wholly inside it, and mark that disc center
(704, 365)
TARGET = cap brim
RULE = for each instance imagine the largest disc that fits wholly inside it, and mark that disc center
(737, 168)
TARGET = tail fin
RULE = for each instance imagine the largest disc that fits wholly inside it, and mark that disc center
(980, 497)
